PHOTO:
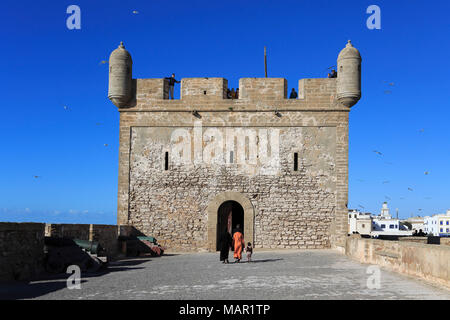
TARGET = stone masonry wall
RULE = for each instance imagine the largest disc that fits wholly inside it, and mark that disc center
(72, 231)
(106, 235)
(21, 250)
(203, 88)
(303, 209)
(292, 208)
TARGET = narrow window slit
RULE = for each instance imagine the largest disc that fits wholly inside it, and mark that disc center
(166, 161)
(295, 161)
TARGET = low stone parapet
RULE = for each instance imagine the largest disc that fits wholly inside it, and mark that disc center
(423, 240)
(425, 261)
(21, 250)
(106, 235)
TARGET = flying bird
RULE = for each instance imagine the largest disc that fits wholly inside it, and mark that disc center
(36, 177)
(103, 62)
(378, 152)
(387, 181)
(387, 198)
(98, 123)
(135, 12)
(422, 130)
(427, 173)
(66, 108)
(105, 144)
(410, 189)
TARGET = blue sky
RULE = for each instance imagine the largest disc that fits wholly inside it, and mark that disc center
(46, 66)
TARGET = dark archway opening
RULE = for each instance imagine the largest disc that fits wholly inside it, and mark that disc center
(229, 215)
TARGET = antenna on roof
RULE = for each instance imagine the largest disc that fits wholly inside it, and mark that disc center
(265, 60)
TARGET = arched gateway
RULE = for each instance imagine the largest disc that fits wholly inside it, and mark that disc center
(219, 210)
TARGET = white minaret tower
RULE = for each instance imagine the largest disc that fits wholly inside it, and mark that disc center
(385, 211)
(349, 76)
(120, 78)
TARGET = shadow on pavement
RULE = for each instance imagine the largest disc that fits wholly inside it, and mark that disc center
(46, 282)
(15, 291)
(256, 261)
(264, 260)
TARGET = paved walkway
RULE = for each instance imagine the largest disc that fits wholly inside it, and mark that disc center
(302, 274)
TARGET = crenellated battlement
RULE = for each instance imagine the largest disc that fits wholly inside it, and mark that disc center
(252, 90)
(128, 93)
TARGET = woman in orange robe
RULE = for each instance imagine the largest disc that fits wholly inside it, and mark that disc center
(238, 244)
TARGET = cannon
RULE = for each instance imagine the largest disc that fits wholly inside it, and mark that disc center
(63, 252)
(149, 239)
(139, 245)
(90, 246)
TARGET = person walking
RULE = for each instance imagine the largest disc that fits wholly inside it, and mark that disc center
(249, 251)
(238, 244)
(172, 82)
(225, 243)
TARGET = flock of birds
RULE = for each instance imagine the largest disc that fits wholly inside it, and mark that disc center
(389, 84)
(66, 108)
(386, 91)
(390, 163)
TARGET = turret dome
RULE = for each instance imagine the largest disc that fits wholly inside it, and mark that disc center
(349, 52)
(120, 53)
(349, 76)
(120, 76)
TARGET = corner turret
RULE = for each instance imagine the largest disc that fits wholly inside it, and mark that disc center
(349, 76)
(120, 77)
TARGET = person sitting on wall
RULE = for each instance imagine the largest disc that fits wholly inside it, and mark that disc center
(421, 233)
(333, 74)
(236, 95)
(293, 95)
(233, 94)
(172, 82)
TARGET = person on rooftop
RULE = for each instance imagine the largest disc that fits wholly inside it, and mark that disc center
(172, 82)
(293, 95)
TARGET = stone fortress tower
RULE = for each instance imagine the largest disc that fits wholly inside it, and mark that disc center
(192, 168)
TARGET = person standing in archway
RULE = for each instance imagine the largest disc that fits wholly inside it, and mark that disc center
(238, 243)
(225, 243)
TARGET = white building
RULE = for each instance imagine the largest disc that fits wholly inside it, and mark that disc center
(359, 222)
(417, 223)
(438, 225)
(384, 224)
